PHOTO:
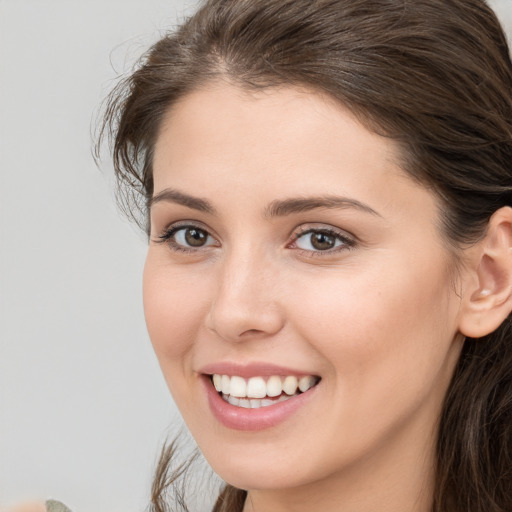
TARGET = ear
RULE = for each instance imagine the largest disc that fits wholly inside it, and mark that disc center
(487, 298)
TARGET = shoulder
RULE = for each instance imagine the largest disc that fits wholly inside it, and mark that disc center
(38, 506)
(56, 506)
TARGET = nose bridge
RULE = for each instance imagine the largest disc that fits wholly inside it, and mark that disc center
(245, 301)
(244, 269)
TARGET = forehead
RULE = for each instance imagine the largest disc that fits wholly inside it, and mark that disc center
(277, 129)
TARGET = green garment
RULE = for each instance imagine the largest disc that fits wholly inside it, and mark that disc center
(56, 506)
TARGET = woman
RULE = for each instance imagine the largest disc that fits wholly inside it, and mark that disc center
(327, 190)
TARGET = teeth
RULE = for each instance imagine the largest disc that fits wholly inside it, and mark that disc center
(238, 387)
(233, 400)
(217, 382)
(256, 388)
(274, 386)
(226, 384)
(253, 403)
(306, 383)
(255, 392)
(290, 385)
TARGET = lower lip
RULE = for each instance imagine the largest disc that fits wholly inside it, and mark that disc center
(239, 418)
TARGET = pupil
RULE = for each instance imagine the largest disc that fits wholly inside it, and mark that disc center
(322, 241)
(195, 237)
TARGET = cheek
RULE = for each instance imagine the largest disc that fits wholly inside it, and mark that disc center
(174, 305)
(387, 349)
(379, 323)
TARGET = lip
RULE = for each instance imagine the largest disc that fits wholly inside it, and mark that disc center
(249, 370)
(239, 418)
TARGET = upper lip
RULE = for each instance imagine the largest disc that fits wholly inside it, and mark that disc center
(255, 369)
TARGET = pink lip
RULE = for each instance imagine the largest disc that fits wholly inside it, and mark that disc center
(250, 370)
(239, 418)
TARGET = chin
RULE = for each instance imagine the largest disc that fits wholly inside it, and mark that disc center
(265, 466)
(260, 476)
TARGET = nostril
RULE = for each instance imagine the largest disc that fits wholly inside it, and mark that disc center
(251, 332)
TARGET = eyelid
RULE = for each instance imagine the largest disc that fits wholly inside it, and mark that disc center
(320, 226)
(166, 235)
(349, 240)
(186, 223)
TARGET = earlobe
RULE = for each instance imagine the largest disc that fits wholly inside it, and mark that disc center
(488, 301)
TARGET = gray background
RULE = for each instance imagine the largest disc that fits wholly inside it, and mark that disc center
(83, 407)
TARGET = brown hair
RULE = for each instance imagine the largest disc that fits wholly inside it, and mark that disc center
(434, 75)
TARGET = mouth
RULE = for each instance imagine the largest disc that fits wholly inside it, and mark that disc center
(259, 392)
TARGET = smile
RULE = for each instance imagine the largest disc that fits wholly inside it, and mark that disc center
(258, 392)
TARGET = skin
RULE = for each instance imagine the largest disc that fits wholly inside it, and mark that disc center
(28, 507)
(376, 320)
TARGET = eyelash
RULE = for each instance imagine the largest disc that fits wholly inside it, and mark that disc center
(167, 237)
(347, 243)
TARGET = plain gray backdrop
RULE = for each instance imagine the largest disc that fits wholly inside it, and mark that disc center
(83, 407)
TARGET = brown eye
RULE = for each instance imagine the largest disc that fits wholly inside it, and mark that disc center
(188, 238)
(322, 241)
(195, 237)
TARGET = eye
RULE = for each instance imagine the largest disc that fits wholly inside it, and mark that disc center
(187, 238)
(322, 240)
(191, 237)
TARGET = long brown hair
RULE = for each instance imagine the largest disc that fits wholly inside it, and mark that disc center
(434, 75)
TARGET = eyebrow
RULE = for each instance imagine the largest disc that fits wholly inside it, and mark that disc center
(284, 207)
(277, 208)
(174, 196)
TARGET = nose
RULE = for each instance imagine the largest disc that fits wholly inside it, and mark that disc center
(245, 303)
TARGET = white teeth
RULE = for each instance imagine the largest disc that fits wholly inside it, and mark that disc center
(306, 383)
(274, 386)
(226, 384)
(255, 392)
(217, 382)
(238, 387)
(256, 388)
(246, 404)
(290, 385)
(233, 400)
(255, 403)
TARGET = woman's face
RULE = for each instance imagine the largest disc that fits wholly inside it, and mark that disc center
(286, 243)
